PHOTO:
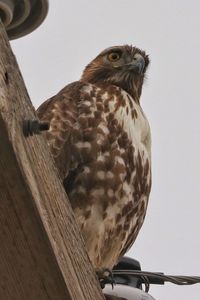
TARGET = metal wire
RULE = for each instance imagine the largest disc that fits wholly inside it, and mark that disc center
(146, 282)
(150, 277)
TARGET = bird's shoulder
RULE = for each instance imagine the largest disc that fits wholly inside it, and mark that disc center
(70, 91)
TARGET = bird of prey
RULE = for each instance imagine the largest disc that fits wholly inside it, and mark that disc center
(100, 139)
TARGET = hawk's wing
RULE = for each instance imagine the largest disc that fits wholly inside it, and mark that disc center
(61, 112)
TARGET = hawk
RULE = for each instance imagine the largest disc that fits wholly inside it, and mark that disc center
(100, 140)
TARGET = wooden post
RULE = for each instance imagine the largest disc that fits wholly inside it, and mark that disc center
(42, 254)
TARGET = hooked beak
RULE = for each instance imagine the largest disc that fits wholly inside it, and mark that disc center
(137, 64)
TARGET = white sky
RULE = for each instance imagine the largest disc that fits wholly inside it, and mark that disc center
(74, 33)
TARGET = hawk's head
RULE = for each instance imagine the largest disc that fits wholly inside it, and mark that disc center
(124, 66)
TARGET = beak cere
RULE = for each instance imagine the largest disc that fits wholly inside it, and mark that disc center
(138, 63)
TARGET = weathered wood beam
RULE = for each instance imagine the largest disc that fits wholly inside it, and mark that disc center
(42, 254)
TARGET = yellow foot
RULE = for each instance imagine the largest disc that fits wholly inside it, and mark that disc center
(105, 276)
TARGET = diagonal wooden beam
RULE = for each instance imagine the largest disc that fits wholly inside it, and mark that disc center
(42, 254)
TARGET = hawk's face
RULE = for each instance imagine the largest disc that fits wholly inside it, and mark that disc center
(124, 66)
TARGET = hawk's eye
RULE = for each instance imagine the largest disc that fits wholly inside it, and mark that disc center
(114, 56)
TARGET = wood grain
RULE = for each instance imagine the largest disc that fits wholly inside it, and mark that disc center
(42, 254)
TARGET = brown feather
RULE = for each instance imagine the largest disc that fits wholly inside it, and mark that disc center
(100, 140)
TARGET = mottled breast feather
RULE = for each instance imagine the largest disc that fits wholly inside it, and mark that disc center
(100, 140)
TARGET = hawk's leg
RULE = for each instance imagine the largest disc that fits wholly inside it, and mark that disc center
(105, 276)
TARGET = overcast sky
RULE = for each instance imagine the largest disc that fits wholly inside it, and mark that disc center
(74, 33)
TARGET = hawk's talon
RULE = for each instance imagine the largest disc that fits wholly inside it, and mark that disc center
(105, 276)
